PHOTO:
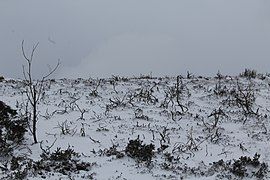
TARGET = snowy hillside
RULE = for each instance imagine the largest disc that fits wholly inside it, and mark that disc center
(144, 128)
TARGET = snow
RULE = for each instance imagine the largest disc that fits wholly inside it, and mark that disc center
(64, 99)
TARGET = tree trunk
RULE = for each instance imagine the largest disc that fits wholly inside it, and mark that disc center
(35, 118)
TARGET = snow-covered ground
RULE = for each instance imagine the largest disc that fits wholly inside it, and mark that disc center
(94, 116)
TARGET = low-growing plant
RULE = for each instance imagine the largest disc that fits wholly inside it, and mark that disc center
(112, 151)
(62, 161)
(139, 114)
(189, 147)
(66, 129)
(94, 92)
(216, 115)
(12, 128)
(146, 95)
(2, 78)
(244, 167)
(220, 89)
(239, 167)
(139, 151)
(248, 73)
(245, 99)
(174, 96)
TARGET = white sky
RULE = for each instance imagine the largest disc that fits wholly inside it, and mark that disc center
(98, 38)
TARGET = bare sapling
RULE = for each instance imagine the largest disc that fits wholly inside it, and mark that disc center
(34, 89)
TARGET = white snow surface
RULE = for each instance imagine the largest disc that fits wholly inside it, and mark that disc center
(105, 125)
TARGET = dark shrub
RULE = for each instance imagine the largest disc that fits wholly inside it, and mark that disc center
(12, 129)
(2, 78)
(239, 167)
(248, 73)
(61, 161)
(139, 151)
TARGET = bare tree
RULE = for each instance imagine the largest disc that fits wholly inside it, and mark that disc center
(34, 88)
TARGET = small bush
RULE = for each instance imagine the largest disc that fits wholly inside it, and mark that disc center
(12, 128)
(140, 152)
(248, 73)
(244, 167)
(61, 161)
(2, 78)
(112, 151)
(239, 167)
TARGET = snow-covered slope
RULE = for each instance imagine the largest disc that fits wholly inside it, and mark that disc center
(192, 122)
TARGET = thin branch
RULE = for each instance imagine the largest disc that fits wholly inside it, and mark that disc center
(52, 71)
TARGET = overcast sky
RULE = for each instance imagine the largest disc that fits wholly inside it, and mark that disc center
(98, 38)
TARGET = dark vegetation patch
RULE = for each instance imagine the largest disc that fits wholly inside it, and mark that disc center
(2, 78)
(248, 73)
(139, 151)
(244, 167)
(12, 129)
(60, 162)
(112, 151)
